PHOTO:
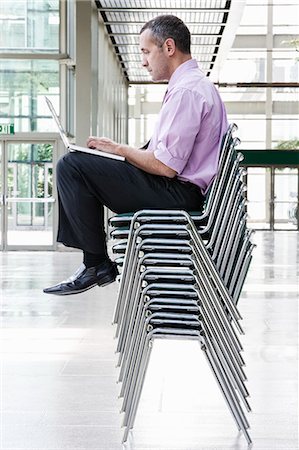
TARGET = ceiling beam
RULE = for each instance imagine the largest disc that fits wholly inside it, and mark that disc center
(134, 22)
(278, 84)
(150, 10)
(254, 84)
(138, 53)
(133, 44)
(138, 34)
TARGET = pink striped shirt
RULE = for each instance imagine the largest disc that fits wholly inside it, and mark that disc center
(190, 126)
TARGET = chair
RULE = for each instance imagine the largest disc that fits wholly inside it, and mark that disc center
(181, 277)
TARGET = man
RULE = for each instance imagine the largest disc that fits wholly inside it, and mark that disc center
(174, 172)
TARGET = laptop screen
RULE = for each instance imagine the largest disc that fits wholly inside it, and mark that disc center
(59, 126)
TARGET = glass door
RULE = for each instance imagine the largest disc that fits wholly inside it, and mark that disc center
(259, 198)
(286, 198)
(272, 194)
(28, 205)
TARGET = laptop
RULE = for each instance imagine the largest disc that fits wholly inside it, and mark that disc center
(75, 148)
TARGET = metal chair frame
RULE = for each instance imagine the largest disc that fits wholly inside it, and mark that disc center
(182, 275)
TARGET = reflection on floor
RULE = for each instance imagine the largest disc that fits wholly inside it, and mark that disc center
(58, 372)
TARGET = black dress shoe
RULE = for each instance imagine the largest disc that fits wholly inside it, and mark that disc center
(85, 278)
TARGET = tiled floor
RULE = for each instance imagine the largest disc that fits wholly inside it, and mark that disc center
(58, 375)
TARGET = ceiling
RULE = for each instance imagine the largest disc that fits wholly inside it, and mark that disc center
(207, 21)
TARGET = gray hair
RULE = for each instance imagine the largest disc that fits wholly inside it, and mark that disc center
(169, 26)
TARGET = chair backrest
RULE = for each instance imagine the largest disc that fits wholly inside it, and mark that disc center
(226, 156)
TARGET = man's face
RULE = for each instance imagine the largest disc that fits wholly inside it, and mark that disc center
(154, 58)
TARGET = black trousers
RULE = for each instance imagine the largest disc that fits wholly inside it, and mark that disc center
(87, 182)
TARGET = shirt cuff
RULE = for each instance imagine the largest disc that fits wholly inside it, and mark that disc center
(163, 155)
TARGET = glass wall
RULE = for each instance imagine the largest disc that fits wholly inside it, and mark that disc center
(265, 50)
(30, 49)
(24, 83)
(267, 44)
(43, 50)
(29, 29)
(29, 25)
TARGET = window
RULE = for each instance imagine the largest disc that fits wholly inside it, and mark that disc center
(23, 86)
(29, 25)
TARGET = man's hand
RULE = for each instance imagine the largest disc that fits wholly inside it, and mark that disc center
(104, 144)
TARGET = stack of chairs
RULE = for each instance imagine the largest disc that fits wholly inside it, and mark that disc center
(181, 277)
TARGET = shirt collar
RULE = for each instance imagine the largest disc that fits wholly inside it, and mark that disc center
(179, 72)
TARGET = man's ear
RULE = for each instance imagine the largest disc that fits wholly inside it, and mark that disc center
(170, 46)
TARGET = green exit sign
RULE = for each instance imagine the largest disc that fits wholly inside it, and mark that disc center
(7, 128)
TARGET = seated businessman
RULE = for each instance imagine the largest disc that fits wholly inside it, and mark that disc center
(174, 172)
